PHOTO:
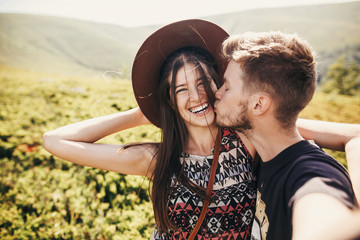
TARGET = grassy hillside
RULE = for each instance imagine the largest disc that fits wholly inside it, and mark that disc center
(74, 47)
(65, 46)
(44, 197)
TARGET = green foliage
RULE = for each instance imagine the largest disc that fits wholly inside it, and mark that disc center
(343, 79)
(43, 197)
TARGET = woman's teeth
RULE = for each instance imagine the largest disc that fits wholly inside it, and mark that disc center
(199, 109)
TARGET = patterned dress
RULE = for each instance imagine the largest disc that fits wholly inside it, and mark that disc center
(231, 211)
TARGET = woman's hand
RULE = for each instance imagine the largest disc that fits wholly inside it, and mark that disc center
(142, 119)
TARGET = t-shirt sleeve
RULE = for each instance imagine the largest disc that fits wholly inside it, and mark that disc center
(328, 186)
(319, 178)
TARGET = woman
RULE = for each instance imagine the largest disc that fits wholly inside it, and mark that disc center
(186, 97)
(175, 74)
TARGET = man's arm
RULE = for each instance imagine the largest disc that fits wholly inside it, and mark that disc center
(352, 150)
(321, 216)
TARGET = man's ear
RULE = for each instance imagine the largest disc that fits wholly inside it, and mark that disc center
(260, 103)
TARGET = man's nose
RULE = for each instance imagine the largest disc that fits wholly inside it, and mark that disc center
(219, 93)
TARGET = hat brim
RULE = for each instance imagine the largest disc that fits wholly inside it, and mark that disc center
(159, 45)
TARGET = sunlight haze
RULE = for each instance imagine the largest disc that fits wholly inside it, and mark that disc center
(141, 12)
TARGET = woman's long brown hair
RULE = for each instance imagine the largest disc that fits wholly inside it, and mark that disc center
(174, 131)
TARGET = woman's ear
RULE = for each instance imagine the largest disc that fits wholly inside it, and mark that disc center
(260, 103)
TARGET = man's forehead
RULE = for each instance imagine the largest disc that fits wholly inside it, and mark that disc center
(233, 72)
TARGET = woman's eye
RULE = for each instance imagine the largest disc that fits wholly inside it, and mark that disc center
(180, 90)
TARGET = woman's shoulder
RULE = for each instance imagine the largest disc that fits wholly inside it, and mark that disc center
(233, 134)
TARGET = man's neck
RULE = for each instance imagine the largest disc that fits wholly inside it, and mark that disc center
(270, 141)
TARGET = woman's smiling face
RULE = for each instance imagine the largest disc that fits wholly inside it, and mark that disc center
(191, 98)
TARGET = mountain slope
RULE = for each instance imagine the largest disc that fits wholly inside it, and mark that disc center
(75, 47)
(64, 45)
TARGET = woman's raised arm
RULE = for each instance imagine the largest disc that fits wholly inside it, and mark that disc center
(76, 143)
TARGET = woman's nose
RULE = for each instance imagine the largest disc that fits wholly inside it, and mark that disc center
(194, 95)
(197, 92)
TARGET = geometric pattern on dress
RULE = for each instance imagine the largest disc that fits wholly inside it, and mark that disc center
(231, 211)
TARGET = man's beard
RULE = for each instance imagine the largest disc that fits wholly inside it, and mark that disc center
(239, 121)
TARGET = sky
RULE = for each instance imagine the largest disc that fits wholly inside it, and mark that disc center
(132, 13)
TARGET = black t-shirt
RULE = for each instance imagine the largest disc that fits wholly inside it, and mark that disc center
(298, 170)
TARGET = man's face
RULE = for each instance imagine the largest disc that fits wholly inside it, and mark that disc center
(231, 104)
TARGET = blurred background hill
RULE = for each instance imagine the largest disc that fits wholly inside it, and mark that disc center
(76, 47)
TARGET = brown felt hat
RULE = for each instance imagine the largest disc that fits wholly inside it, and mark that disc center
(159, 45)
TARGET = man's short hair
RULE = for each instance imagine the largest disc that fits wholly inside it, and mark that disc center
(280, 64)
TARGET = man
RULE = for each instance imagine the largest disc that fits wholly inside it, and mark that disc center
(303, 193)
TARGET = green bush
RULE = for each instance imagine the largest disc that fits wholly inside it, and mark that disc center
(43, 197)
(342, 78)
